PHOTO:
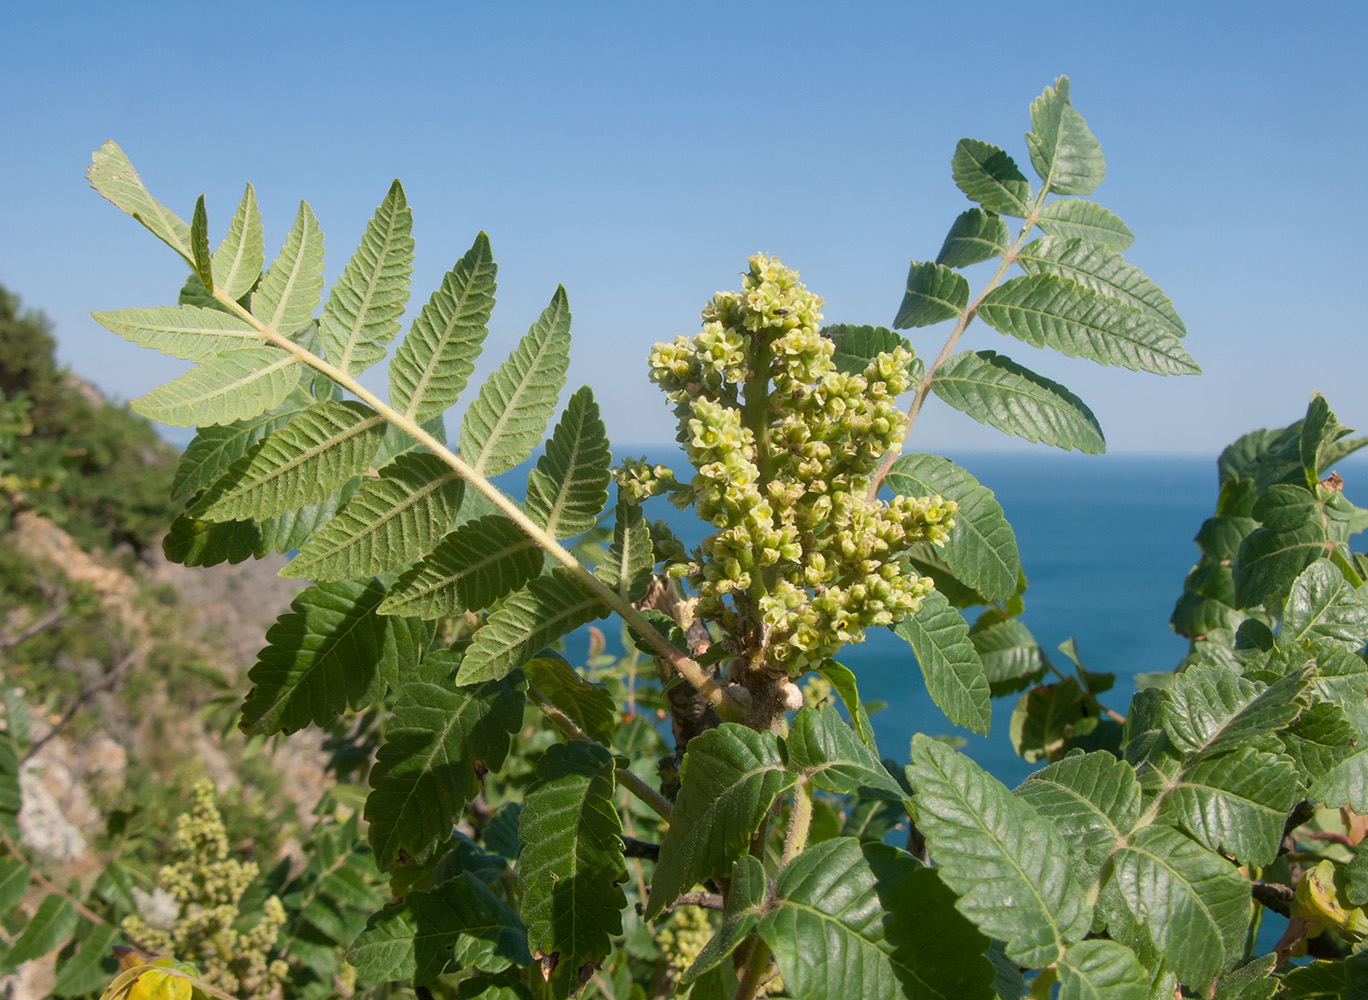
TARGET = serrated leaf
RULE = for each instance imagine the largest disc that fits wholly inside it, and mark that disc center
(1192, 904)
(631, 559)
(832, 757)
(567, 490)
(235, 384)
(934, 293)
(395, 518)
(1235, 803)
(1045, 310)
(858, 346)
(290, 529)
(363, 309)
(299, 464)
(187, 332)
(1095, 266)
(1092, 799)
(939, 636)
(1211, 709)
(1009, 866)
(1072, 218)
(1219, 538)
(199, 246)
(847, 913)
(548, 608)
(1328, 980)
(481, 561)
(741, 914)
(383, 952)
(1298, 527)
(1010, 655)
(572, 862)
(995, 390)
(84, 971)
(290, 291)
(508, 418)
(990, 177)
(1045, 717)
(432, 365)
(237, 262)
(1345, 783)
(214, 448)
(50, 927)
(1322, 605)
(589, 706)
(462, 924)
(112, 175)
(192, 542)
(330, 652)
(1207, 602)
(981, 550)
(1063, 151)
(974, 237)
(730, 778)
(1102, 970)
(438, 740)
(842, 678)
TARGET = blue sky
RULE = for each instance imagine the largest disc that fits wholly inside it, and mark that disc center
(637, 153)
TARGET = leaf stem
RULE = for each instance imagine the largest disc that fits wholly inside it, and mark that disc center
(725, 705)
(800, 821)
(757, 962)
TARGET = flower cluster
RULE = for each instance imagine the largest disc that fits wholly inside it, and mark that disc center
(784, 445)
(209, 886)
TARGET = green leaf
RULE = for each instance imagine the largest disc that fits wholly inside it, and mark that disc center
(299, 464)
(508, 418)
(990, 177)
(290, 529)
(14, 881)
(330, 652)
(434, 362)
(1092, 799)
(1207, 602)
(982, 549)
(1328, 980)
(741, 914)
(112, 175)
(1320, 430)
(1322, 604)
(394, 518)
(1344, 784)
(1102, 970)
(384, 951)
(1010, 655)
(548, 608)
(1095, 266)
(187, 332)
(1299, 527)
(572, 862)
(1009, 866)
(995, 390)
(589, 706)
(939, 636)
(289, 292)
(481, 561)
(974, 237)
(569, 487)
(858, 346)
(842, 678)
(846, 913)
(235, 384)
(730, 778)
(1211, 709)
(934, 293)
(1235, 803)
(1192, 904)
(199, 246)
(832, 757)
(85, 972)
(50, 927)
(214, 448)
(462, 924)
(238, 260)
(631, 560)
(1064, 153)
(1071, 218)
(191, 542)
(1045, 717)
(438, 742)
(363, 309)
(1045, 310)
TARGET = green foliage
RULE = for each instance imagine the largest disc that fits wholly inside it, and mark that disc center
(1128, 867)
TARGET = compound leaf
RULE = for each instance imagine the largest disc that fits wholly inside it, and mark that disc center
(568, 488)
(1086, 220)
(995, 390)
(1102, 970)
(462, 924)
(857, 346)
(589, 706)
(1009, 866)
(50, 927)
(939, 636)
(363, 309)
(1211, 709)
(1095, 266)
(1235, 803)
(214, 448)
(990, 177)
(934, 293)
(828, 751)
(231, 385)
(741, 915)
(508, 418)
(112, 175)
(1063, 150)
(238, 260)
(481, 561)
(1010, 655)
(631, 557)
(394, 518)
(289, 292)
(1322, 605)
(187, 332)
(1092, 799)
(1298, 527)
(974, 237)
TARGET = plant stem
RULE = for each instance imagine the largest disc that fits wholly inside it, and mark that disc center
(689, 669)
(757, 961)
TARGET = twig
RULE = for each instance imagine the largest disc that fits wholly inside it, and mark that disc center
(633, 848)
(52, 618)
(108, 680)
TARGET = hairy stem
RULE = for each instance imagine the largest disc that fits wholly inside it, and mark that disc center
(800, 822)
(689, 669)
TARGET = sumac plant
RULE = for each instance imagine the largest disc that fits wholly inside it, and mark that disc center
(1134, 865)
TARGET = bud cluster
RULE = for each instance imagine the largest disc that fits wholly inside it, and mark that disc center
(784, 446)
